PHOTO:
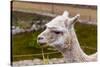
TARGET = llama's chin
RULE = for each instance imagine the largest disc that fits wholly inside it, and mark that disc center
(43, 45)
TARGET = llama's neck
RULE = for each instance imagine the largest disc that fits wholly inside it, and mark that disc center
(75, 53)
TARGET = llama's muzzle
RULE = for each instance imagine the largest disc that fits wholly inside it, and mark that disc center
(41, 41)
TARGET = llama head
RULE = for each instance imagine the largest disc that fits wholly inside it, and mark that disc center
(57, 32)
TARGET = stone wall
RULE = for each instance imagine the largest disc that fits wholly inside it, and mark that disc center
(88, 13)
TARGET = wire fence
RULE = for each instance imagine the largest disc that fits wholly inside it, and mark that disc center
(50, 52)
(46, 60)
(35, 54)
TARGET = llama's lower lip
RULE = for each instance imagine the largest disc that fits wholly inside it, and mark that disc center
(42, 44)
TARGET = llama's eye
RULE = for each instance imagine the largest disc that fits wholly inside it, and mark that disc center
(57, 32)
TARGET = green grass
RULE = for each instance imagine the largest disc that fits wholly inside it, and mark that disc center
(25, 43)
(87, 36)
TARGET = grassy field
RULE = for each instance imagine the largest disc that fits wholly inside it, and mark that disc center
(87, 36)
(26, 43)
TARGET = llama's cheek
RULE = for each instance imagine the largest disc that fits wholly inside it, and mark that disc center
(51, 38)
(59, 41)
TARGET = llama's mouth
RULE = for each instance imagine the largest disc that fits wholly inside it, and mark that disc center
(42, 44)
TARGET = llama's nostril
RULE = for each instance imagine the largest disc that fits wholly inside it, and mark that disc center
(40, 38)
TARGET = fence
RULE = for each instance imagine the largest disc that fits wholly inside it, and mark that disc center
(42, 53)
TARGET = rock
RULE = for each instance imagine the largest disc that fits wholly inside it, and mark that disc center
(54, 61)
(22, 30)
(23, 63)
(33, 27)
(27, 30)
(27, 62)
(15, 64)
(37, 61)
(17, 30)
(13, 27)
(61, 60)
(50, 62)
(38, 21)
(37, 25)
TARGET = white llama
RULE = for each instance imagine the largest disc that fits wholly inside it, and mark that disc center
(60, 34)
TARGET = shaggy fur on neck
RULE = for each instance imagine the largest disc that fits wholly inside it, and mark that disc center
(74, 53)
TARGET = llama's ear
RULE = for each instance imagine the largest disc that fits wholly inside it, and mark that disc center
(65, 14)
(75, 18)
